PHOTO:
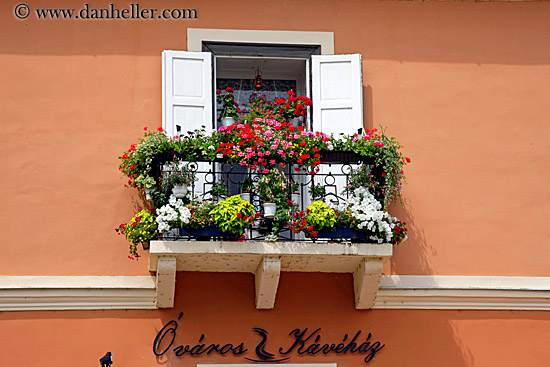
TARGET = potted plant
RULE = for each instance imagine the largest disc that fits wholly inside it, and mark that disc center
(147, 183)
(317, 217)
(294, 109)
(366, 216)
(141, 229)
(247, 185)
(273, 191)
(296, 195)
(316, 191)
(218, 191)
(201, 222)
(180, 177)
(173, 215)
(229, 107)
(233, 215)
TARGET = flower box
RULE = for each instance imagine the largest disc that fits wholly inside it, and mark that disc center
(339, 156)
(209, 231)
(341, 232)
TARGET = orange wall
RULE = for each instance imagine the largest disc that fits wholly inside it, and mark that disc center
(463, 85)
(222, 307)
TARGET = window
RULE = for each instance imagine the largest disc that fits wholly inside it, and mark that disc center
(333, 82)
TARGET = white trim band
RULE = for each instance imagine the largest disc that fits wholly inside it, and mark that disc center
(30, 293)
(463, 292)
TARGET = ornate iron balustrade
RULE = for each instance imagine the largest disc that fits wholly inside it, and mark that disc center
(333, 177)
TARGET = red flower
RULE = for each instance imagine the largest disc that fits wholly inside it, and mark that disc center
(280, 100)
(239, 215)
(133, 166)
(229, 90)
(313, 234)
(299, 106)
(145, 128)
(257, 215)
(303, 143)
(288, 106)
(160, 129)
(289, 202)
(408, 160)
(291, 93)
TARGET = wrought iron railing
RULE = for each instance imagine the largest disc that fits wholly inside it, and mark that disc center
(333, 177)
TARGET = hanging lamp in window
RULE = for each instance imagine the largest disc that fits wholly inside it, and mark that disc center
(258, 82)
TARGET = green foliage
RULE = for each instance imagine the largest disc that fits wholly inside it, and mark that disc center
(247, 185)
(181, 174)
(141, 228)
(317, 191)
(230, 108)
(201, 214)
(273, 187)
(320, 216)
(218, 190)
(233, 215)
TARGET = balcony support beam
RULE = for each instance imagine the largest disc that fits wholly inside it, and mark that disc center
(166, 281)
(366, 280)
(267, 281)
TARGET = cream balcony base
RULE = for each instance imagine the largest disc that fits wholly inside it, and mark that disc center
(266, 260)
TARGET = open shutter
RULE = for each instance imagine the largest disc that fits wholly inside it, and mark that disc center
(187, 95)
(337, 83)
(337, 93)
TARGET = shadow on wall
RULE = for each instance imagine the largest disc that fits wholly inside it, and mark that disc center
(415, 250)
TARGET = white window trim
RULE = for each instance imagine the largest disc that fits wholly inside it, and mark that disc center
(195, 37)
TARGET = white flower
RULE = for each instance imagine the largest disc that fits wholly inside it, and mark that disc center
(172, 215)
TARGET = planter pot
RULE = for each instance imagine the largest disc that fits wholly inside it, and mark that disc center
(341, 232)
(180, 191)
(269, 210)
(297, 121)
(145, 245)
(148, 195)
(227, 121)
(246, 196)
(207, 232)
(297, 198)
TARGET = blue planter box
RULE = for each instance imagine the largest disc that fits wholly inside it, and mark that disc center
(205, 232)
(341, 232)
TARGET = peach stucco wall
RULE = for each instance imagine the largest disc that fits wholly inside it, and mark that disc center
(462, 85)
(221, 306)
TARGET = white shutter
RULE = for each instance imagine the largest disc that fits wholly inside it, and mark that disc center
(187, 95)
(337, 93)
(337, 83)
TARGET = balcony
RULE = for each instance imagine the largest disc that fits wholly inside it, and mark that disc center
(315, 203)
(330, 251)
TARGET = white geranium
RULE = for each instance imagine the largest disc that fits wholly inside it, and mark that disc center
(172, 215)
(369, 214)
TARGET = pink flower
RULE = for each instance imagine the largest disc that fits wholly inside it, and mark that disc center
(272, 161)
(265, 170)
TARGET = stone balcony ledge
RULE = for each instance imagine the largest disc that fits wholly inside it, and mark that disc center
(266, 260)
